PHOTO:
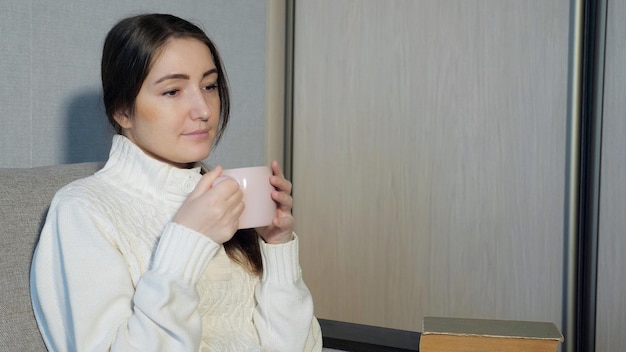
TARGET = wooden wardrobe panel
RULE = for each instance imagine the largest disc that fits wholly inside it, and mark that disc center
(428, 156)
(611, 295)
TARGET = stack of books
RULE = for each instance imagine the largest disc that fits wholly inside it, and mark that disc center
(481, 335)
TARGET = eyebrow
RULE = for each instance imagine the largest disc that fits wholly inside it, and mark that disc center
(184, 76)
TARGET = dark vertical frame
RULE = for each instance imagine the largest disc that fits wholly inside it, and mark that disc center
(591, 147)
(290, 9)
(584, 138)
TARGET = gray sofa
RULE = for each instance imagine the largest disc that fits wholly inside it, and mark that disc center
(25, 195)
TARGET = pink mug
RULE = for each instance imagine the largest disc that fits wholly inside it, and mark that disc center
(254, 181)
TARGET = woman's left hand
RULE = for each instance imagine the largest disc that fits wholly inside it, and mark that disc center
(281, 229)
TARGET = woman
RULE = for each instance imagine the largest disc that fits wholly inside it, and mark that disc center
(145, 255)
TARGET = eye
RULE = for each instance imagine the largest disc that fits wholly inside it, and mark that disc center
(211, 87)
(171, 93)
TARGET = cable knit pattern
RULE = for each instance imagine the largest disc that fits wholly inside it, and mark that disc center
(227, 307)
(109, 242)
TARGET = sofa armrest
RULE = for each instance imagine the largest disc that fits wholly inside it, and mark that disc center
(25, 195)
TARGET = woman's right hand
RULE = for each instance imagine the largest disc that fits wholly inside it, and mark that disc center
(213, 210)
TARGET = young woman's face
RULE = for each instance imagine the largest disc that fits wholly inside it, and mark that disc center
(178, 106)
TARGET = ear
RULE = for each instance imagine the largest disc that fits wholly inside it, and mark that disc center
(123, 119)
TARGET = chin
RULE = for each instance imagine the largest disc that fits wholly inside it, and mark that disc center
(199, 156)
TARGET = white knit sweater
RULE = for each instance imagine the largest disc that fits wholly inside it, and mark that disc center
(112, 272)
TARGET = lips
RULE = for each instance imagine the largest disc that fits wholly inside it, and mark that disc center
(196, 132)
(197, 135)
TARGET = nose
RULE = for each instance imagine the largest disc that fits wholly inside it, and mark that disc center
(199, 109)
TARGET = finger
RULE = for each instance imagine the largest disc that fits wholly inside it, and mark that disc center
(226, 196)
(284, 200)
(206, 181)
(281, 184)
(225, 185)
(276, 170)
(233, 208)
(284, 222)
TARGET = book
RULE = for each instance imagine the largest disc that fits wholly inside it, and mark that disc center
(480, 335)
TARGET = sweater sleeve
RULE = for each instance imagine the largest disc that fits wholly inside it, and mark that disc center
(85, 300)
(284, 314)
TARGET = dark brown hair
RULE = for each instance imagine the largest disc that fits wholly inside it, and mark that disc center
(129, 50)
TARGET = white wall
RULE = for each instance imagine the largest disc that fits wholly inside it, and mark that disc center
(50, 95)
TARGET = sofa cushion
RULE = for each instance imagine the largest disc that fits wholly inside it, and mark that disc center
(25, 196)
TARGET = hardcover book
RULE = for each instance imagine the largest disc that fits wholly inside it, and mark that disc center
(482, 335)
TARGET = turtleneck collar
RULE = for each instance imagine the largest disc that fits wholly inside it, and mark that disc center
(130, 168)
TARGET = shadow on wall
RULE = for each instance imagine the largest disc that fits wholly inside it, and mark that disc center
(88, 130)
